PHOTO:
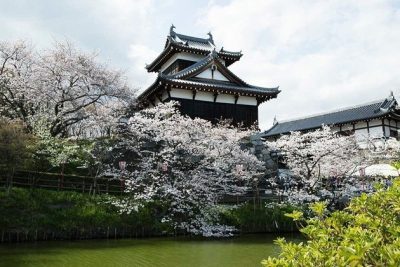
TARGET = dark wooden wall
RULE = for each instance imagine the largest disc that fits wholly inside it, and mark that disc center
(246, 114)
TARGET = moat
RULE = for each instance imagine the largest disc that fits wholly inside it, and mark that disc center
(241, 251)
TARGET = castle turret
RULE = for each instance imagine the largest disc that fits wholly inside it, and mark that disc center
(195, 72)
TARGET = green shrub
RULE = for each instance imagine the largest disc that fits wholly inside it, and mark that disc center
(366, 233)
(15, 145)
(267, 218)
(67, 213)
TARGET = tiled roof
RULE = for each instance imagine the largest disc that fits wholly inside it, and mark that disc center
(367, 111)
(201, 65)
(180, 42)
(193, 42)
(195, 67)
(231, 87)
(196, 43)
(186, 78)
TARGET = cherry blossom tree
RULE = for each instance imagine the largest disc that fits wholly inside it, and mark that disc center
(314, 159)
(69, 89)
(187, 164)
(78, 89)
(17, 81)
(323, 164)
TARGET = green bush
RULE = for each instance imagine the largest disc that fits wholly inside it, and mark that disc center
(15, 145)
(366, 233)
(265, 218)
(73, 215)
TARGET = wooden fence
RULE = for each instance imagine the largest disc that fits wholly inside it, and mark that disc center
(87, 184)
(57, 181)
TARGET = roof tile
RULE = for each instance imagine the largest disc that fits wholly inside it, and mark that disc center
(367, 111)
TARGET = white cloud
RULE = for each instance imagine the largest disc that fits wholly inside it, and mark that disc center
(109, 27)
(125, 18)
(141, 55)
(324, 54)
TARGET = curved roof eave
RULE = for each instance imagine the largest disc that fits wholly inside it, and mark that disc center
(170, 46)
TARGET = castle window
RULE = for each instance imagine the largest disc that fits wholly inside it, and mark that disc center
(178, 65)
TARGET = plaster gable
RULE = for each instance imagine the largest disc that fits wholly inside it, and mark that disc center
(207, 74)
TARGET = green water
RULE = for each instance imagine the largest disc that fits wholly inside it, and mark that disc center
(240, 251)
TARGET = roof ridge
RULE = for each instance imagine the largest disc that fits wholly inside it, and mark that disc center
(222, 50)
(332, 111)
(194, 38)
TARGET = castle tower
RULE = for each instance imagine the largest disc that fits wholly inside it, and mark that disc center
(195, 72)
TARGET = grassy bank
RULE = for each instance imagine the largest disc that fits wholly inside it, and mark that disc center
(49, 215)
(38, 214)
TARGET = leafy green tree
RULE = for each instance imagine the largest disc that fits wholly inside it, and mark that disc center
(366, 233)
(15, 147)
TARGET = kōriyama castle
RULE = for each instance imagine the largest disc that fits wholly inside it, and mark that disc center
(194, 72)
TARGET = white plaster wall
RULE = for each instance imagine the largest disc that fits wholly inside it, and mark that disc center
(361, 125)
(207, 74)
(376, 131)
(375, 122)
(393, 123)
(386, 121)
(247, 100)
(181, 93)
(361, 135)
(219, 76)
(209, 96)
(347, 127)
(181, 55)
(335, 128)
(224, 98)
(387, 131)
(205, 96)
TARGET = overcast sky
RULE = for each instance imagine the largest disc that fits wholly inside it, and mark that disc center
(323, 54)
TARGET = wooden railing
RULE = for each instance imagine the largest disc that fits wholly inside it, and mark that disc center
(57, 181)
(87, 184)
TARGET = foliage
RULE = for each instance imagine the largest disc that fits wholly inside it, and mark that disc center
(15, 145)
(71, 155)
(77, 215)
(317, 154)
(69, 89)
(323, 165)
(366, 233)
(396, 164)
(254, 218)
(56, 151)
(188, 164)
(65, 213)
(16, 75)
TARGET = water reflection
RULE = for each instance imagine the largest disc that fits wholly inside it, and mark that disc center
(247, 250)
